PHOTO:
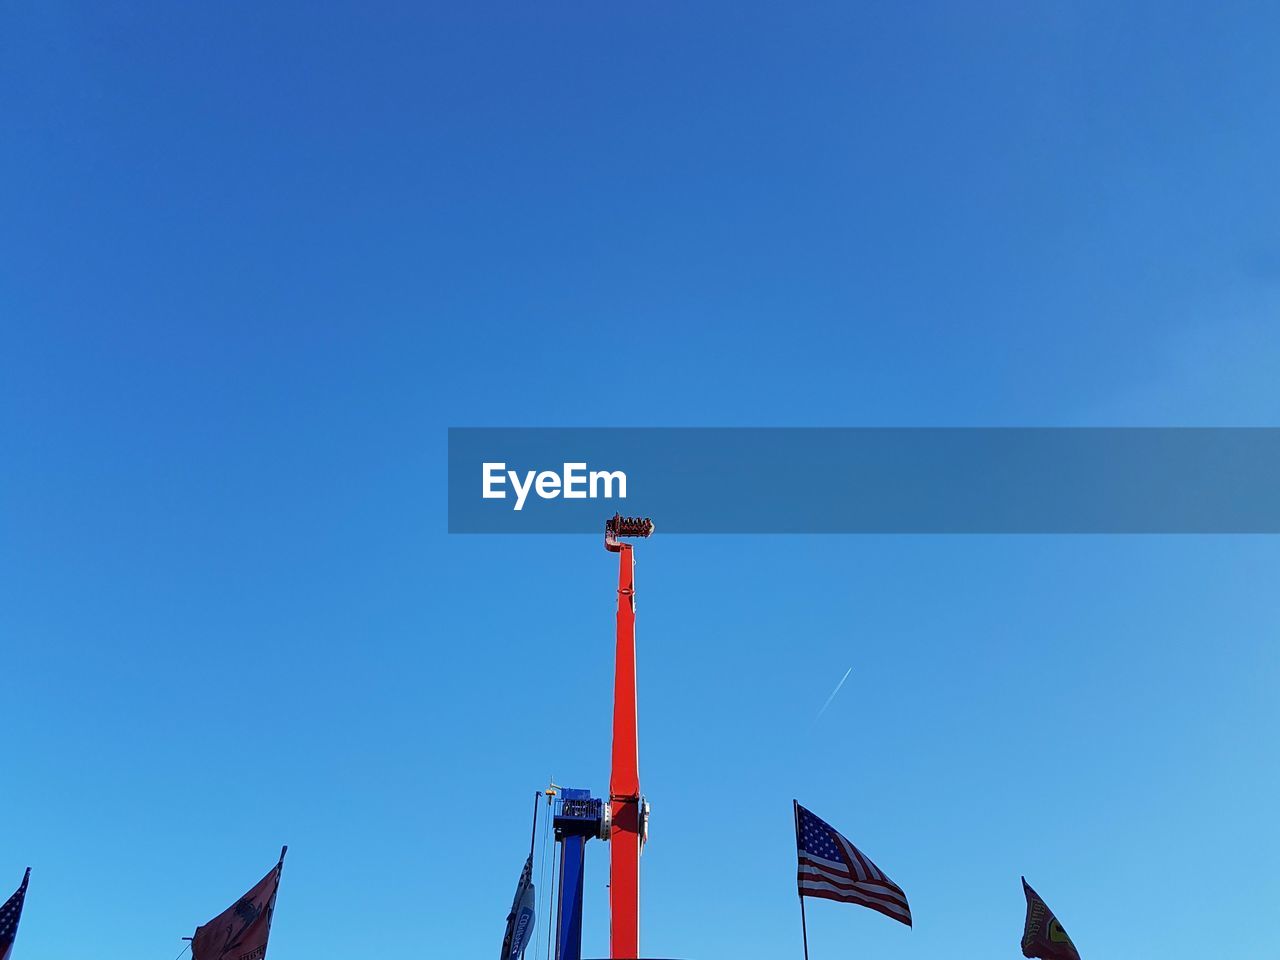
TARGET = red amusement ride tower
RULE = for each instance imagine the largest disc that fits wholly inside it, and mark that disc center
(630, 811)
(578, 817)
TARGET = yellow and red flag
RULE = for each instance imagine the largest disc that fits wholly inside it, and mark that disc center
(1043, 935)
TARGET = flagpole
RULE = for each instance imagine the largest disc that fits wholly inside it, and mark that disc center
(537, 796)
(804, 927)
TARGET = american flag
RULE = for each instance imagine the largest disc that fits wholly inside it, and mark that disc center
(10, 914)
(833, 868)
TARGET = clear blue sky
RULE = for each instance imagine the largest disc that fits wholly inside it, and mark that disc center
(253, 262)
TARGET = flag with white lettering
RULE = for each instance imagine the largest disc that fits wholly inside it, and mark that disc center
(1043, 935)
(10, 914)
(240, 932)
(520, 919)
(833, 868)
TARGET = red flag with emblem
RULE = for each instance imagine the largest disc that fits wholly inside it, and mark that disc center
(240, 932)
(1043, 935)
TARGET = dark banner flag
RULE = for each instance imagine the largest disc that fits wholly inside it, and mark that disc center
(240, 932)
(520, 919)
(10, 914)
(1043, 935)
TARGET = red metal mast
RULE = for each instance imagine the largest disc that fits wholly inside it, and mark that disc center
(628, 807)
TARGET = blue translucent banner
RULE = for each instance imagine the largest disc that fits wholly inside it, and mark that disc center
(858, 480)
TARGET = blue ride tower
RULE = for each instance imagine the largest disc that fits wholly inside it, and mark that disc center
(578, 817)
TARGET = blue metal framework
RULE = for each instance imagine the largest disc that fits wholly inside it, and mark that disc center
(578, 817)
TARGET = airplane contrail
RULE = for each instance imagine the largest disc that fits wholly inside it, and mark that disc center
(834, 692)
